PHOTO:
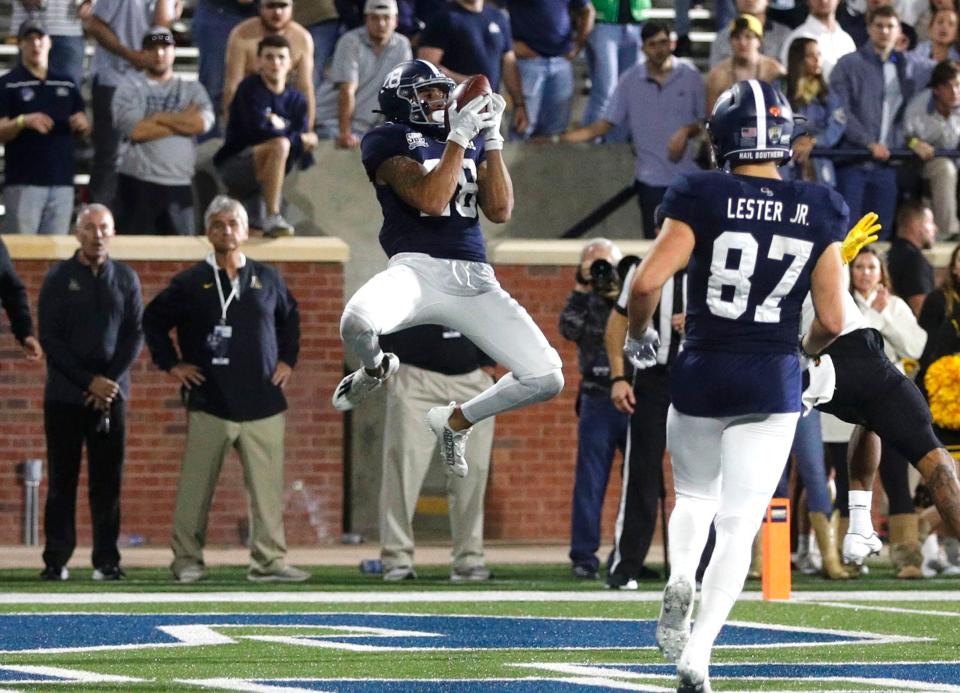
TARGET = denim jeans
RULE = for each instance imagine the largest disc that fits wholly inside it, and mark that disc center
(870, 188)
(211, 28)
(611, 50)
(811, 466)
(33, 209)
(602, 431)
(548, 91)
(681, 10)
(325, 35)
(66, 57)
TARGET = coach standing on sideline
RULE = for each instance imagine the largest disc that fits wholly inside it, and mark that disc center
(90, 310)
(238, 332)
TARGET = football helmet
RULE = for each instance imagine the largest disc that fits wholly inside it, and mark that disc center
(752, 122)
(401, 101)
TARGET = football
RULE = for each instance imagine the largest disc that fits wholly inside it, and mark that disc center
(469, 89)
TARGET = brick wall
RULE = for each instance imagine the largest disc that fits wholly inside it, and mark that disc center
(156, 423)
(535, 449)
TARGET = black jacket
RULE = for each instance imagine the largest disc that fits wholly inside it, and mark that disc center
(14, 297)
(265, 326)
(89, 326)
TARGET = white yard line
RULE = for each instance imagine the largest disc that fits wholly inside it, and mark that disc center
(74, 675)
(21, 598)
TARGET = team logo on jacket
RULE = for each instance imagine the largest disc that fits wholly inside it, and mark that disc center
(63, 91)
(415, 139)
(74, 285)
(255, 282)
(27, 94)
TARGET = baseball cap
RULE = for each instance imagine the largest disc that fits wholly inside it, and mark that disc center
(158, 35)
(747, 21)
(31, 26)
(380, 7)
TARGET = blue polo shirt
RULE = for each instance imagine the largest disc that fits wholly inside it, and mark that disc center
(472, 42)
(544, 25)
(653, 112)
(32, 158)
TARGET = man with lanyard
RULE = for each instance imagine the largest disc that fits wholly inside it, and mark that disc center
(238, 333)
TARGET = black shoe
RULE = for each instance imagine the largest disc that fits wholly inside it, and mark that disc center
(55, 573)
(584, 572)
(684, 47)
(646, 573)
(108, 573)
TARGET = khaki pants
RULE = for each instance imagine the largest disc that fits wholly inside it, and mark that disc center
(260, 445)
(409, 448)
(942, 174)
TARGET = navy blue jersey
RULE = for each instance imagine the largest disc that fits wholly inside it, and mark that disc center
(455, 234)
(472, 42)
(757, 242)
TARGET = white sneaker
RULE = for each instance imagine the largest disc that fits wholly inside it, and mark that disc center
(399, 574)
(453, 444)
(857, 547)
(192, 573)
(286, 574)
(354, 388)
(673, 628)
(276, 226)
(933, 562)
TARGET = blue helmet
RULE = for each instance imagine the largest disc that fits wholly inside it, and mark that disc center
(752, 122)
(400, 100)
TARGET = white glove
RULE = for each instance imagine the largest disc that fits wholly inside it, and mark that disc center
(642, 353)
(492, 138)
(467, 123)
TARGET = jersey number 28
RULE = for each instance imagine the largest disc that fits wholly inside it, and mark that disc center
(738, 277)
(465, 196)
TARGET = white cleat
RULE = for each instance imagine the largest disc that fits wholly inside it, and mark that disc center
(857, 547)
(692, 670)
(453, 444)
(354, 388)
(673, 628)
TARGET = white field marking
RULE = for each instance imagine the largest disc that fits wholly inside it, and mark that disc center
(889, 609)
(716, 674)
(73, 675)
(196, 634)
(251, 686)
(18, 598)
(860, 637)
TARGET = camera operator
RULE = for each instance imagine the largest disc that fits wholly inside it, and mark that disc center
(602, 429)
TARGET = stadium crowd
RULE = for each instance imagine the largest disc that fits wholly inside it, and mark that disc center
(878, 83)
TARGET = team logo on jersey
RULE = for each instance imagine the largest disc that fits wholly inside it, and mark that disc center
(415, 139)
(63, 91)
(494, 28)
(27, 94)
(766, 191)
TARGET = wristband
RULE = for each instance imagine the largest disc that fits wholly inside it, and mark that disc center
(619, 378)
(803, 352)
(21, 121)
(912, 141)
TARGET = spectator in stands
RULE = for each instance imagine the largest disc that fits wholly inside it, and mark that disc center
(822, 25)
(542, 41)
(774, 33)
(874, 84)
(321, 19)
(810, 97)
(469, 38)
(16, 305)
(437, 364)
(745, 62)
(347, 103)
(39, 112)
(930, 7)
(118, 27)
(941, 44)
(64, 20)
(213, 20)
(602, 430)
(613, 47)
(931, 122)
(236, 350)
(911, 274)
(661, 100)
(267, 135)
(89, 313)
(243, 57)
(159, 115)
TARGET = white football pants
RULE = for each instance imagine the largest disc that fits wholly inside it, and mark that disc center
(724, 469)
(417, 289)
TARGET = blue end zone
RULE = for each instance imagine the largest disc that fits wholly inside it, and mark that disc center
(921, 672)
(55, 631)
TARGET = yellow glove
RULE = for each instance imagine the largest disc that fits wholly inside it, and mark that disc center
(864, 232)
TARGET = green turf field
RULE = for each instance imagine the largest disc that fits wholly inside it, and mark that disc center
(532, 628)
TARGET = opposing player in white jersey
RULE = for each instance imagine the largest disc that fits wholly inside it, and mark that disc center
(430, 179)
(861, 386)
(753, 246)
